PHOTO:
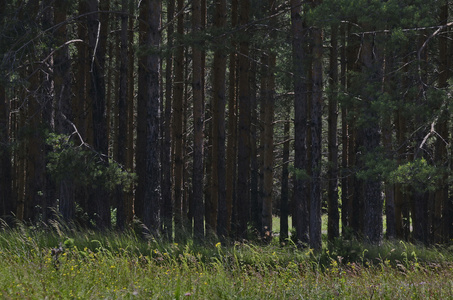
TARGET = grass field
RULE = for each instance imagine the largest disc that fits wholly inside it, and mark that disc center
(123, 266)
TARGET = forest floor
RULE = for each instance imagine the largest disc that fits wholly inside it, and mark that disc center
(110, 265)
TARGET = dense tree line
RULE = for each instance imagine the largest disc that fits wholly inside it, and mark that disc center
(210, 117)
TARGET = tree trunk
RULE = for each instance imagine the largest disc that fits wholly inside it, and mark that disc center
(6, 201)
(218, 125)
(355, 188)
(301, 214)
(441, 153)
(131, 113)
(268, 146)
(387, 132)
(255, 153)
(149, 76)
(371, 139)
(284, 200)
(333, 230)
(231, 161)
(167, 166)
(268, 149)
(97, 35)
(198, 105)
(121, 198)
(243, 191)
(63, 113)
(316, 128)
(262, 137)
(346, 210)
(178, 100)
(48, 120)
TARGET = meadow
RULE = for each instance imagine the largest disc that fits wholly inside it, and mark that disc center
(59, 263)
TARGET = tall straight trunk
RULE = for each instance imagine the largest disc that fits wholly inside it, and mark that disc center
(6, 201)
(97, 35)
(81, 104)
(231, 155)
(355, 190)
(441, 152)
(178, 101)
(333, 230)
(121, 198)
(81, 84)
(373, 202)
(131, 112)
(401, 198)
(210, 200)
(316, 128)
(5, 159)
(284, 198)
(422, 205)
(35, 157)
(167, 206)
(140, 155)
(187, 209)
(218, 125)
(149, 75)
(301, 214)
(262, 137)
(140, 147)
(48, 120)
(197, 172)
(346, 210)
(268, 145)
(268, 148)
(243, 188)
(17, 161)
(255, 157)
(111, 84)
(62, 82)
(387, 132)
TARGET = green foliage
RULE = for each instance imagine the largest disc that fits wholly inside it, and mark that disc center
(84, 166)
(377, 165)
(300, 174)
(418, 174)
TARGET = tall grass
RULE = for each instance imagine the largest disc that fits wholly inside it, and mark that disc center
(113, 265)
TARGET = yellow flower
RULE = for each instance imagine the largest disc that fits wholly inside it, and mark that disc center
(218, 245)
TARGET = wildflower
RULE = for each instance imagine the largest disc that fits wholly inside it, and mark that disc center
(218, 245)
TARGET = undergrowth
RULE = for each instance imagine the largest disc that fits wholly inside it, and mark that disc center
(60, 263)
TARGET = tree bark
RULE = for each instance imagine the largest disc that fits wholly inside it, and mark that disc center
(231, 155)
(373, 202)
(123, 217)
(243, 191)
(62, 82)
(284, 200)
(150, 10)
(218, 124)
(441, 152)
(346, 210)
(333, 230)
(178, 100)
(167, 166)
(97, 29)
(301, 200)
(6, 201)
(198, 105)
(316, 128)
